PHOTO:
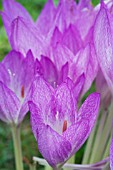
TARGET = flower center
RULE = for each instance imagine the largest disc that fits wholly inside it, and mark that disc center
(22, 92)
(64, 126)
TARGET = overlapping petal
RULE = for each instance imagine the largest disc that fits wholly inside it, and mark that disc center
(46, 17)
(58, 120)
(78, 133)
(12, 10)
(16, 76)
(25, 37)
(9, 105)
(53, 147)
(103, 41)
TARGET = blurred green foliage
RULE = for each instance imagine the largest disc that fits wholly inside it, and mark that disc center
(29, 145)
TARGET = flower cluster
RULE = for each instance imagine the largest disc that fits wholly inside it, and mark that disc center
(52, 64)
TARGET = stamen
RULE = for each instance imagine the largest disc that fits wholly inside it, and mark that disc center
(22, 92)
(64, 126)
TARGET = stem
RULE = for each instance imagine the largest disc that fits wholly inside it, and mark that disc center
(17, 147)
(71, 160)
(33, 166)
(106, 153)
(105, 135)
(89, 147)
(98, 137)
(47, 167)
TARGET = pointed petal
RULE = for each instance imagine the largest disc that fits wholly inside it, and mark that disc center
(56, 149)
(61, 55)
(56, 37)
(80, 63)
(92, 70)
(13, 63)
(41, 94)
(78, 87)
(46, 17)
(65, 105)
(71, 38)
(63, 73)
(103, 41)
(49, 70)
(65, 15)
(25, 37)
(9, 105)
(78, 133)
(13, 9)
(4, 76)
(20, 70)
(85, 4)
(27, 80)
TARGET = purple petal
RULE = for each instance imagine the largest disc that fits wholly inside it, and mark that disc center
(111, 155)
(13, 62)
(92, 69)
(103, 89)
(46, 17)
(84, 4)
(56, 37)
(9, 105)
(86, 17)
(63, 73)
(78, 87)
(80, 63)
(25, 36)
(19, 74)
(27, 79)
(61, 55)
(13, 9)
(41, 95)
(65, 15)
(38, 68)
(20, 70)
(4, 76)
(52, 146)
(78, 133)
(71, 38)
(103, 41)
(65, 106)
(49, 70)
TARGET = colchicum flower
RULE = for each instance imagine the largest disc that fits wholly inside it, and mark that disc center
(64, 39)
(16, 76)
(103, 41)
(59, 128)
